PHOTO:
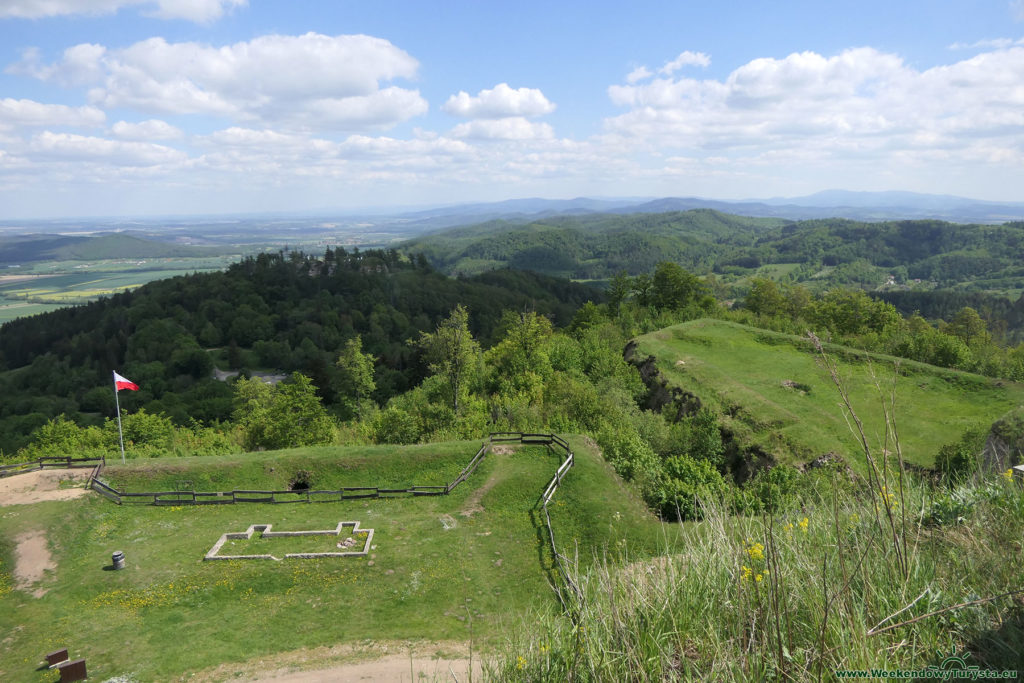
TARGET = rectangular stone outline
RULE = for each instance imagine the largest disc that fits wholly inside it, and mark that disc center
(267, 533)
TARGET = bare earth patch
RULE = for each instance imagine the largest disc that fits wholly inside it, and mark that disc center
(472, 504)
(36, 487)
(32, 560)
(368, 661)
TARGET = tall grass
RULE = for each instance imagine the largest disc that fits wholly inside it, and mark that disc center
(883, 572)
(795, 597)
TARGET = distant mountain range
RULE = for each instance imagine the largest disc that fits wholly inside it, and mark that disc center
(380, 227)
(862, 206)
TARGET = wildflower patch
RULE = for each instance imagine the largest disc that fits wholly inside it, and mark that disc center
(354, 544)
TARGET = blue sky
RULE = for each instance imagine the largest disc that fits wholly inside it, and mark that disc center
(151, 107)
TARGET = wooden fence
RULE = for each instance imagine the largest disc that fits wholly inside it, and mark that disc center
(51, 462)
(552, 441)
(561, 561)
(192, 497)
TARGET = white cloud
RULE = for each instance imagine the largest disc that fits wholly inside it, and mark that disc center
(28, 113)
(308, 81)
(200, 11)
(988, 43)
(509, 128)
(686, 58)
(638, 74)
(79, 65)
(501, 101)
(67, 147)
(152, 129)
(860, 97)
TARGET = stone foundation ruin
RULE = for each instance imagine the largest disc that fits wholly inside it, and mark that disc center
(213, 554)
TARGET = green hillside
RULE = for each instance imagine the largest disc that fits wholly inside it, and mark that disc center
(883, 256)
(443, 568)
(30, 248)
(588, 247)
(774, 394)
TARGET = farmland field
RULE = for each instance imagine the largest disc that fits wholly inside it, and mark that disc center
(442, 568)
(46, 286)
(774, 394)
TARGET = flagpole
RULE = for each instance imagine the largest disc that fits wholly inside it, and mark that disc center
(120, 434)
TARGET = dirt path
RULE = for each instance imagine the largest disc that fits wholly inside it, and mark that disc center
(366, 661)
(393, 668)
(35, 487)
(472, 504)
(32, 559)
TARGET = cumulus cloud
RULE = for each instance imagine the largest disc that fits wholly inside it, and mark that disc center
(307, 81)
(200, 11)
(509, 128)
(501, 101)
(686, 58)
(68, 147)
(79, 65)
(859, 104)
(152, 129)
(28, 113)
(639, 74)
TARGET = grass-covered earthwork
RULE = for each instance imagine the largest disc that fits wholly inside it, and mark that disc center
(441, 568)
(775, 394)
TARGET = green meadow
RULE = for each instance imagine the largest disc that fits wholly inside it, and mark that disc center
(776, 395)
(468, 565)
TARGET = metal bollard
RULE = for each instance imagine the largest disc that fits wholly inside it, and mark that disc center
(118, 558)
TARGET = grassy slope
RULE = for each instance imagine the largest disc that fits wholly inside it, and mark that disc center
(170, 613)
(740, 370)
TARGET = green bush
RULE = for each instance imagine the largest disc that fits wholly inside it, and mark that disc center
(394, 425)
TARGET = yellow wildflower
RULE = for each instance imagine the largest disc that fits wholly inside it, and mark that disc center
(755, 551)
(1008, 474)
(520, 663)
(804, 523)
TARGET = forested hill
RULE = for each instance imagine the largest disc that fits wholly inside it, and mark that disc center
(595, 246)
(599, 246)
(21, 249)
(275, 312)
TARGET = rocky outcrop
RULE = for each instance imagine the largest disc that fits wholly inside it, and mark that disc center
(1004, 447)
(674, 402)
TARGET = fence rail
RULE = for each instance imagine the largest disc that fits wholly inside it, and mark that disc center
(561, 562)
(48, 461)
(191, 497)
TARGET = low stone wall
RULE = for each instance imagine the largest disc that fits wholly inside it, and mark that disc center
(265, 529)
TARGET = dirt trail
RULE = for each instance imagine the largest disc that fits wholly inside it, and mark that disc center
(32, 560)
(393, 668)
(36, 487)
(367, 660)
(473, 504)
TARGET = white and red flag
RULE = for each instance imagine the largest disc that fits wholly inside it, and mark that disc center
(124, 383)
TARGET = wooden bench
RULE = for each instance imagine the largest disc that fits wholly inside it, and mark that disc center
(56, 657)
(72, 671)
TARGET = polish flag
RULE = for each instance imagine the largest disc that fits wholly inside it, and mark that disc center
(123, 383)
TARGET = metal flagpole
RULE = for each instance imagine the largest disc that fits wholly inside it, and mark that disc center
(120, 435)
